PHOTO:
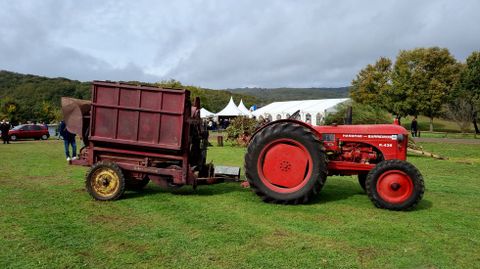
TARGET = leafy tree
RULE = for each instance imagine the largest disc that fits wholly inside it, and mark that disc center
(9, 109)
(48, 112)
(423, 80)
(469, 86)
(372, 82)
(241, 129)
(362, 114)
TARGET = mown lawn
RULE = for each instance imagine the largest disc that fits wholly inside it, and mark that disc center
(47, 220)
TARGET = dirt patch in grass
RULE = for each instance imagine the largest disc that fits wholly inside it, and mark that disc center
(79, 190)
(464, 162)
(118, 222)
(366, 255)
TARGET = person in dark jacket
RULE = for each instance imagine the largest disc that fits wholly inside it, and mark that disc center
(414, 127)
(68, 139)
(5, 127)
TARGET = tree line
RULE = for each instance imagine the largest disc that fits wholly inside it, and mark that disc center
(423, 81)
(269, 95)
(37, 99)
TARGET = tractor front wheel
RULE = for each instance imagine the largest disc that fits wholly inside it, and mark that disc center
(285, 163)
(105, 181)
(395, 185)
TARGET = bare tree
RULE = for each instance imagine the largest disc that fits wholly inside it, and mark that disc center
(462, 111)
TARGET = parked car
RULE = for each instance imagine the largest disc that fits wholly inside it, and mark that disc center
(25, 131)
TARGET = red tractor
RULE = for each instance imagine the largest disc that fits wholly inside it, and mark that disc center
(288, 161)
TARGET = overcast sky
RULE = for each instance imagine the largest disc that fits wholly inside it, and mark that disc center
(223, 43)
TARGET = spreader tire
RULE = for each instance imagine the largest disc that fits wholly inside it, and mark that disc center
(362, 178)
(285, 163)
(395, 185)
(105, 181)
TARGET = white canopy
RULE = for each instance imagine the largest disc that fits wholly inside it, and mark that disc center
(244, 109)
(205, 113)
(311, 111)
(230, 110)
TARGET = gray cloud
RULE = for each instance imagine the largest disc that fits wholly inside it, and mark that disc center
(221, 44)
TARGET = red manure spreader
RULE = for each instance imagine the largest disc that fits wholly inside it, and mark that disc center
(136, 134)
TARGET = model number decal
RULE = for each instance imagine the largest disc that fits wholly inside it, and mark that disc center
(386, 145)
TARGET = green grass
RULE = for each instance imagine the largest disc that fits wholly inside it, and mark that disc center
(47, 220)
(425, 134)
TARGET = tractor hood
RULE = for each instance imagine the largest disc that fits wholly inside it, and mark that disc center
(376, 129)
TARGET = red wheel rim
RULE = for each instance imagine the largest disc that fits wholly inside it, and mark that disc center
(284, 165)
(395, 186)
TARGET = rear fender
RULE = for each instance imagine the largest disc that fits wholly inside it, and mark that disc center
(308, 126)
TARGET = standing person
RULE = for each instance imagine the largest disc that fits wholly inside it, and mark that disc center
(5, 127)
(414, 126)
(68, 139)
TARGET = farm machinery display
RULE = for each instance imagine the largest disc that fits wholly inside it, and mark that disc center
(136, 134)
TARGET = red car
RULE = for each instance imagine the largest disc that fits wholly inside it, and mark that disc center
(29, 131)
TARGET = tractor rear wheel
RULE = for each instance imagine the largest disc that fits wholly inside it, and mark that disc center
(362, 178)
(105, 181)
(285, 163)
(395, 185)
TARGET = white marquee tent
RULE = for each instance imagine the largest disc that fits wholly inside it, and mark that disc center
(244, 109)
(311, 111)
(205, 113)
(230, 110)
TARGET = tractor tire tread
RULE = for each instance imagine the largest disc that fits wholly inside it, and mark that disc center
(417, 178)
(260, 140)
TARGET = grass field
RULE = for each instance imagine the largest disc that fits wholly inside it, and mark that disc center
(47, 220)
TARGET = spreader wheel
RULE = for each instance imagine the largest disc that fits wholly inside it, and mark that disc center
(395, 185)
(105, 181)
(285, 163)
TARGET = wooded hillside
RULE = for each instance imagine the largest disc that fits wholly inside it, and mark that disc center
(36, 98)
